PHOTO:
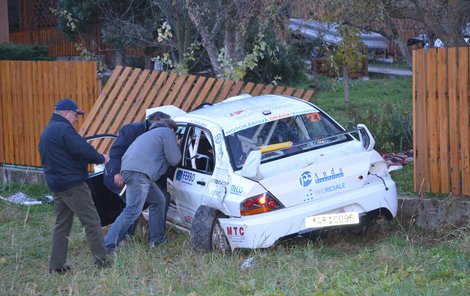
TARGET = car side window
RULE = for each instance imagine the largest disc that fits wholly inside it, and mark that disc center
(199, 150)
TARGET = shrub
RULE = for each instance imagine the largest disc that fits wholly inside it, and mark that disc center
(10, 51)
(392, 129)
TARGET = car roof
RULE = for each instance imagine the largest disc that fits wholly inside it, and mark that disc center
(241, 112)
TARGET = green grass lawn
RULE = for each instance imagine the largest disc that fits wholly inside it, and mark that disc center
(386, 261)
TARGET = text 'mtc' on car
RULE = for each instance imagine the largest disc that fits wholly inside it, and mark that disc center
(259, 169)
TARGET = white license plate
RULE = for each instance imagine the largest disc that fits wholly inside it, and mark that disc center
(332, 220)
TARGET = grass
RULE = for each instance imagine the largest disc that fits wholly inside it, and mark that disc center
(386, 261)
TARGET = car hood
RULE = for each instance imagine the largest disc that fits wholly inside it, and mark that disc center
(317, 174)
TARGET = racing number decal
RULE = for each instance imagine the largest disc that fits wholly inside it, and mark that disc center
(314, 116)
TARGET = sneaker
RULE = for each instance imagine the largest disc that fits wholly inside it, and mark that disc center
(60, 270)
(158, 243)
(102, 263)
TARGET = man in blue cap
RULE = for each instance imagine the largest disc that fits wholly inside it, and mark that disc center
(65, 157)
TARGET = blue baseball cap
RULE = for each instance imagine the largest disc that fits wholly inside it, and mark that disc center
(68, 105)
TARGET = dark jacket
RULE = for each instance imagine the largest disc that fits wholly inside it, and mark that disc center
(65, 155)
(127, 134)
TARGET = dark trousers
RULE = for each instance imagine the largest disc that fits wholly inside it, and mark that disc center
(78, 201)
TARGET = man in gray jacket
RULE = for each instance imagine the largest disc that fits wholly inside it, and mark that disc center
(144, 162)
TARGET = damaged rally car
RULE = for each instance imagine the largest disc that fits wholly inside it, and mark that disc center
(259, 169)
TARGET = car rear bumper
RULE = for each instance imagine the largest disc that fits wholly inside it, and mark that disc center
(263, 230)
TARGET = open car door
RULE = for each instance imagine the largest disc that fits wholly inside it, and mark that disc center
(108, 204)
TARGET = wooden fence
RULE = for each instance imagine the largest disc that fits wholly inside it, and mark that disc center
(441, 121)
(129, 92)
(28, 93)
(29, 90)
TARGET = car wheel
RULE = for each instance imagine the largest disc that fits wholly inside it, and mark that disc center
(206, 233)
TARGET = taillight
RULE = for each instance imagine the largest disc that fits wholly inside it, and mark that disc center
(260, 203)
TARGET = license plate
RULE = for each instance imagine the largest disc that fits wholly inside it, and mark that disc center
(332, 220)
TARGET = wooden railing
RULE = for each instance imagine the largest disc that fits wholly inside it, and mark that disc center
(441, 122)
(129, 92)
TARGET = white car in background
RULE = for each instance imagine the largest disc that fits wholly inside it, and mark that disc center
(259, 169)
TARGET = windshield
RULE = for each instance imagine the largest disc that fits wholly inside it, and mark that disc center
(284, 137)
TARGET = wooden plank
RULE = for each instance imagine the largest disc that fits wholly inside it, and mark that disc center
(228, 84)
(278, 90)
(17, 125)
(121, 104)
(205, 90)
(150, 100)
(268, 89)
(414, 102)
(10, 151)
(299, 93)
(257, 90)
(421, 123)
(236, 89)
(443, 122)
(29, 126)
(175, 90)
(33, 126)
(3, 101)
(454, 127)
(136, 110)
(184, 91)
(187, 102)
(464, 118)
(248, 88)
(163, 93)
(213, 96)
(289, 91)
(86, 127)
(106, 103)
(124, 115)
(40, 103)
(433, 131)
(308, 96)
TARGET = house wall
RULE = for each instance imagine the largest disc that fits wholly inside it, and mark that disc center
(4, 28)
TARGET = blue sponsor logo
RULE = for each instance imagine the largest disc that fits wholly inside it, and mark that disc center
(218, 138)
(237, 190)
(185, 177)
(330, 188)
(306, 178)
(333, 175)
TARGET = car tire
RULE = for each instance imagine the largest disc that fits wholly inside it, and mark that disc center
(206, 233)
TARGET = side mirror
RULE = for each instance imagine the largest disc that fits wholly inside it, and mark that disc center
(251, 168)
(366, 137)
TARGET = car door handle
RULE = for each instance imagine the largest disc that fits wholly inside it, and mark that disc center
(201, 183)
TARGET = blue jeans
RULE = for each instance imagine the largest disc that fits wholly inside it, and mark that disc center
(140, 189)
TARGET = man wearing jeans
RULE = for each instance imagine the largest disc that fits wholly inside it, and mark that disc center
(144, 162)
(65, 157)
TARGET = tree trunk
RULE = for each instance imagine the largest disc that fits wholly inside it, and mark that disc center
(346, 85)
(207, 40)
(120, 57)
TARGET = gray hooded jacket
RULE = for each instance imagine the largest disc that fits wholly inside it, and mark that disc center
(152, 152)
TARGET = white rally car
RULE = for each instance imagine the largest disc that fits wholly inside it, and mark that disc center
(259, 169)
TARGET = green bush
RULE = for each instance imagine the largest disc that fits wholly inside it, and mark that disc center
(10, 51)
(392, 129)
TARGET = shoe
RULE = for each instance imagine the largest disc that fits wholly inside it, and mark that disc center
(110, 251)
(158, 243)
(102, 263)
(60, 270)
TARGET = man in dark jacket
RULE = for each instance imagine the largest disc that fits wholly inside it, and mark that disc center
(65, 157)
(127, 134)
(146, 160)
